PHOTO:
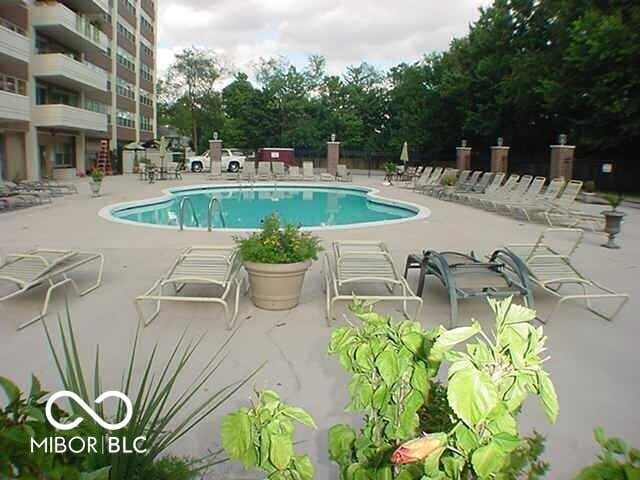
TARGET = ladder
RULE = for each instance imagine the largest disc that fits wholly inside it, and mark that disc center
(103, 163)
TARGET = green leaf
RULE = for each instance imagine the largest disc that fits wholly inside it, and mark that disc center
(548, 397)
(472, 395)
(299, 415)
(363, 357)
(453, 466)
(507, 442)
(466, 439)
(420, 379)
(35, 392)
(387, 365)
(380, 397)
(10, 389)
(413, 341)
(302, 464)
(341, 440)
(448, 339)
(236, 435)
(361, 392)
(488, 460)
(341, 338)
(280, 451)
(600, 436)
(269, 399)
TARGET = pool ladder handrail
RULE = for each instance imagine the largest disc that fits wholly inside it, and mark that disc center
(183, 202)
(212, 203)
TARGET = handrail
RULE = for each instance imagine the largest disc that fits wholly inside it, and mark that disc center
(212, 203)
(183, 202)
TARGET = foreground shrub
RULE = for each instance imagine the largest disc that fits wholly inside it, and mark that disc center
(618, 461)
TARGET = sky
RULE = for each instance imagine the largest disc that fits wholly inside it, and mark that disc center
(345, 32)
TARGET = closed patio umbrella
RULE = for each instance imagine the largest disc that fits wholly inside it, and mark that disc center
(404, 156)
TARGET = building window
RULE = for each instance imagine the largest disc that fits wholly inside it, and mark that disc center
(126, 89)
(146, 98)
(146, 49)
(146, 123)
(63, 155)
(127, 33)
(126, 119)
(146, 73)
(126, 59)
(145, 24)
(12, 84)
(129, 6)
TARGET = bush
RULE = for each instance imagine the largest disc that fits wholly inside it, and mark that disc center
(275, 245)
(171, 468)
(96, 175)
(618, 461)
(448, 181)
(589, 186)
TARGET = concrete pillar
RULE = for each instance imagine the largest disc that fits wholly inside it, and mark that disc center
(81, 153)
(32, 154)
(215, 150)
(463, 158)
(333, 157)
(562, 157)
(500, 159)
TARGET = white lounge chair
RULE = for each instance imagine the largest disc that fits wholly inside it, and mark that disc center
(433, 179)
(307, 171)
(46, 266)
(343, 175)
(264, 171)
(550, 194)
(352, 263)
(517, 192)
(422, 179)
(279, 172)
(294, 173)
(551, 268)
(209, 266)
(498, 193)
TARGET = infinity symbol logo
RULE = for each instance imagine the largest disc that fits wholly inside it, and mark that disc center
(89, 410)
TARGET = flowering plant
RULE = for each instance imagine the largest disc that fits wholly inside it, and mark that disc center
(276, 245)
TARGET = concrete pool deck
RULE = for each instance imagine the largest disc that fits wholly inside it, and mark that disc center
(594, 363)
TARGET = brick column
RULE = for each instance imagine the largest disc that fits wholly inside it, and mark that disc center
(333, 157)
(562, 157)
(215, 151)
(463, 158)
(500, 159)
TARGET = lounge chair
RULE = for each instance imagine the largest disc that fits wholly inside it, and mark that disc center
(307, 171)
(440, 190)
(422, 179)
(216, 171)
(561, 212)
(525, 208)
(279, 172)
(507, 193)
(264, 171)
(551, 268)
(527, 198)
(487, 183)
(204, 266)
(435, 187)
(433, 179)
(294, 173)
(16, 198)
(42, 196)
(464, 276)
(343, 175)
(470, 183)
(352, 263)
(248, 173)
(499, 193)
(55, 188)
(46, 267)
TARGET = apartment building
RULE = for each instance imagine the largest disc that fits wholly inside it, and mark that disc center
(73, 73)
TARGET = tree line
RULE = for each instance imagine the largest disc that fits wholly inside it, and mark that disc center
(526, 71)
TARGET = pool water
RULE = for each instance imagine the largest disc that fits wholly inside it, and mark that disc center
(244, 208)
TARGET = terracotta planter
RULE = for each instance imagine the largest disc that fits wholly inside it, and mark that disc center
(612, 226)
(95, 188)
(276, 286)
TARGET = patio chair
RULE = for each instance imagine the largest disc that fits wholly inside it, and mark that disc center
(507, 195)
(422, 179)
(41, 195)
(551, 268)
(16, 199)
(527, 198)
(279, 172)
(497, 193)
(352, 263)
(440, 190)
(435, 187)
(434, 179)
(204, 266)
(307, 171)
(343, 175)
(248, 173)
(264, 171)
(294, 173)
(464, 276)
(216, 171)
(561, 212)
(42, 266)
(487, 183)
(55, 188)
(525, 208)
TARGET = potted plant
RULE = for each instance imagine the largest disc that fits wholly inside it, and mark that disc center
(449, 183)
(613, 219)
(276, 260)
(588, 191)
(95, 182)
(390, 170)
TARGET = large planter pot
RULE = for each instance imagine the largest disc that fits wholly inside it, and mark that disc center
(276, 286)
(95, 188)
(612, 226)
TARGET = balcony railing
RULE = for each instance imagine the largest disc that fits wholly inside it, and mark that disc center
(13, 27)
(11, 84)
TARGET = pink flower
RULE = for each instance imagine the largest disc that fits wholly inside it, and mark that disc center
(415, 450)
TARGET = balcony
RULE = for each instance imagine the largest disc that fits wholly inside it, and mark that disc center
(66, 27)
(14, 44)
(90, 7)
(68, 72)
(14, 107)
(66, 117)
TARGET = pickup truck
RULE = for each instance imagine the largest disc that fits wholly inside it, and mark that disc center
(232, 161)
